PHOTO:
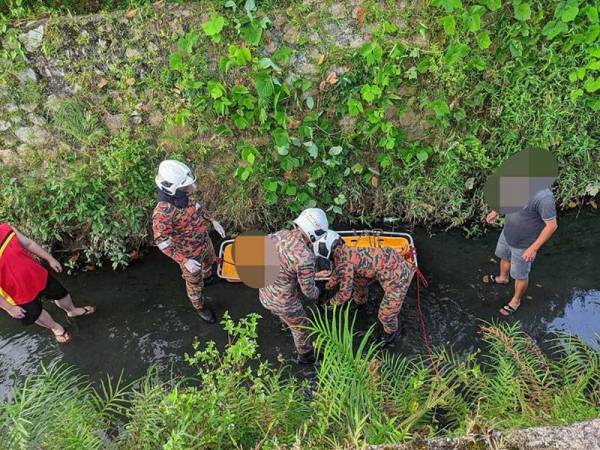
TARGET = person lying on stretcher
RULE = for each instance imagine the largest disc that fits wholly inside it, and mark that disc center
(355, 268)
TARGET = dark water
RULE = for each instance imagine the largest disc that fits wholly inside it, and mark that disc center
(145, 319)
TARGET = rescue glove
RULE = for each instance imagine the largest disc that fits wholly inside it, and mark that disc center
(192, 265)
(218, 228)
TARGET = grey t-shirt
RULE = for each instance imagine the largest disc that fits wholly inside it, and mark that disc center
(523, 227)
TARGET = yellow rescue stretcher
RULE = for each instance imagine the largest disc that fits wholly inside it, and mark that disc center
(401, 242)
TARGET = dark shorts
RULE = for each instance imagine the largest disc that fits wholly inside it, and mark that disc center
(54, 290)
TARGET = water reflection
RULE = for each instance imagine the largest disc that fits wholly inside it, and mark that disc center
(581, 316)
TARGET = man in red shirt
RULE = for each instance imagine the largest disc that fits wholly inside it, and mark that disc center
(24, 282)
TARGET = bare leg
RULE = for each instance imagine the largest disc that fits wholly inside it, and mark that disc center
(520, 288)
(45, 320)
(504, 276)
(66, 304)
(504, 271)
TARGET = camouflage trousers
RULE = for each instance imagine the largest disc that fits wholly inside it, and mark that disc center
(293, 314)
(194, 282)
(395, 287)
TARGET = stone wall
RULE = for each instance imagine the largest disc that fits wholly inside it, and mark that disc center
(111, 61)
(579, 436)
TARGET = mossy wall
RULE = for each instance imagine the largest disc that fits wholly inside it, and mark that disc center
(366, 108)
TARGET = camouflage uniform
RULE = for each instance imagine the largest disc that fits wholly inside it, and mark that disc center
(182, 234)
(296, 274)
(357, 267)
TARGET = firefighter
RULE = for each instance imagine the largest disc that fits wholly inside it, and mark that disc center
(180, 225)
(24, 283)
(296, 275)
(355, 268)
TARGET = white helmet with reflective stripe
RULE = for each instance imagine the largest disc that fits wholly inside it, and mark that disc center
(325, 246)
(173, 175)
(313, 221)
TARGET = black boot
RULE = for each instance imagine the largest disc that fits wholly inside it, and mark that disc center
(388, 339)
(207, 314)
(306, 358)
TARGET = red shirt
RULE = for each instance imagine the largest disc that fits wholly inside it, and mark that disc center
(22, 277)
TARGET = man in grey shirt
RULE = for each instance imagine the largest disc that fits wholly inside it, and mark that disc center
(525, 231)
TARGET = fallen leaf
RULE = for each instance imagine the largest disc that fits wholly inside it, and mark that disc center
(131, 13)
(321, 59)
(130, 81)
(593, 204)
(293, 124)
(331, 78)
(374, 181)
(359, 14)
(103, 82)
(329, 81)
(572, 204)
(288, 175)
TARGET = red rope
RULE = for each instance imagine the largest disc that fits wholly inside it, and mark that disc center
(411, 254)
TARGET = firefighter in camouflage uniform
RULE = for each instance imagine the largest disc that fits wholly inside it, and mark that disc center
(180, 226)
(355, 268)
(296, 275)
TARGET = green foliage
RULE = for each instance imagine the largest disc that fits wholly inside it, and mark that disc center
(360, 396)
(236, 401)
(58, 409)
(417, 117)
(103, 201)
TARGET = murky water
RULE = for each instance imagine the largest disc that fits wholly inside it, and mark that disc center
(145, 319)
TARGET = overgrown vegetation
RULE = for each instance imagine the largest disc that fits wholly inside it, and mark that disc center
(360, 396)
(277, 115)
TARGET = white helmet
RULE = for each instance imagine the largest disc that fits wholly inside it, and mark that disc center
(325, 246)
(173, 175)
(313, 221)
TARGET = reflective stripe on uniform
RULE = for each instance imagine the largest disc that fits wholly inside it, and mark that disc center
(7, 240)
(7, 297)
(164, 244)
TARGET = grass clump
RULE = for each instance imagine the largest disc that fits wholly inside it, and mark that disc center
(78, 124)
(360, 395)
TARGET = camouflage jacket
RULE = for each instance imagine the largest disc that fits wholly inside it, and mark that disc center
(362, 264)
(296, 271)
(181, 233)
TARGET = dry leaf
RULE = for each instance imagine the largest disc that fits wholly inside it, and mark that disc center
(321, 59)
(359, 14)
(593, 204)
(374, 181)
(103, 82)
(330, 80)
(130, 81)
(293, 124)
(131, 13)
(572, 204)
(288, 175)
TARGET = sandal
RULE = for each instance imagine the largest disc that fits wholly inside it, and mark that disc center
(508, 310)
(63, 338)
(87, 310)
(491, 279)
